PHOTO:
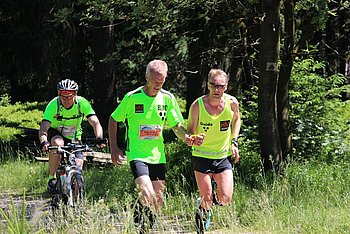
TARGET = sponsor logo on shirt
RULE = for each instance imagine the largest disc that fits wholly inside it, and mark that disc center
(224, 125)
(138, 108)
(205, 126)
(150, 132)
(162, 107)
(162, 111)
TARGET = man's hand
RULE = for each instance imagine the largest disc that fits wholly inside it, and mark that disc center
(195, 139)
(189, 140)
(44, 146)
(235, 154)
(100, 142)
(198, 139)
(118, 157)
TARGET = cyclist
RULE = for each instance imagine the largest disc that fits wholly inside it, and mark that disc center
(61, 124)
(217, 116)
(145, 111)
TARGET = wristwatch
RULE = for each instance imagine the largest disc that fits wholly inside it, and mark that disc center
(235, 141)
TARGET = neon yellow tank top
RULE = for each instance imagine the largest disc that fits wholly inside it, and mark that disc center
(217, 142)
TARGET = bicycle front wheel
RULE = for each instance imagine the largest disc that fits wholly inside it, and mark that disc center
(77, 189)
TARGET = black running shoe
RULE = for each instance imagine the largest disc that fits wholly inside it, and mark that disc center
(51, 186)
(151, 216)
(143, 218)
(199, 221)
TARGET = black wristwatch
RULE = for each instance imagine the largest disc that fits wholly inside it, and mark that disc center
(235, 141)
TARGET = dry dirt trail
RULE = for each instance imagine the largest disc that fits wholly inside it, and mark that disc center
(37, 205)
(34, 204)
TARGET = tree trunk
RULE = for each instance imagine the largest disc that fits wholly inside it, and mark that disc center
(102, 45)
(195, 83)
(284, 80)
(267, 109)
(197, 67)
(240, 55)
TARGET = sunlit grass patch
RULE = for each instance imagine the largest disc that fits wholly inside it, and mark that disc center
(311, 197)
(19, 175)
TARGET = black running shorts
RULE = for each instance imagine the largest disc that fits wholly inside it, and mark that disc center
(205, 165)
(154, 171)
(54, 132)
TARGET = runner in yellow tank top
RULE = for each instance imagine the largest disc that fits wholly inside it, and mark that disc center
(217, 128)
(214, 121)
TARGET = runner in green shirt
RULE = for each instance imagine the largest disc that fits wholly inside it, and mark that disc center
(62, 124)
(145, 111)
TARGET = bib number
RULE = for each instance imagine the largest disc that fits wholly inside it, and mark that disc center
(150, 132)
(68, 130)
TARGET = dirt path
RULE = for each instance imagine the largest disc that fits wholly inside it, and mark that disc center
(37, 204)
(34, 204)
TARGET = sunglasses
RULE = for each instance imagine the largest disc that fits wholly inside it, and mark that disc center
(67, 97)
(217, 86)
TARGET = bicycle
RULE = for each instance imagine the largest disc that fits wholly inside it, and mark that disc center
(69, 177)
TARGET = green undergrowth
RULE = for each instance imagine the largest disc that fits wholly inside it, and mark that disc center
(311, 197)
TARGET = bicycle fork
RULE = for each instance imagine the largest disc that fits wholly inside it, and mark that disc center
(66, 183)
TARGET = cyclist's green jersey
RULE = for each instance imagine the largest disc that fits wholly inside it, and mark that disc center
(68, 121)
(145, 117)
(217, 142)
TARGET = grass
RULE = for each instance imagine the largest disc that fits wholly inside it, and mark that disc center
(311, 198)
(20, 114)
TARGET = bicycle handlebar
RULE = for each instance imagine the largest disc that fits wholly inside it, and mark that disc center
(71, 148)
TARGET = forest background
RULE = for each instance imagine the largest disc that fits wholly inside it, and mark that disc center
(288, 62)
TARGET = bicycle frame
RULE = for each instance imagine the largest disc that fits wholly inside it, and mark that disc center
(67, 172)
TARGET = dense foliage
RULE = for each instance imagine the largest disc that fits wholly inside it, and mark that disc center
(319, 117)
(45, 41)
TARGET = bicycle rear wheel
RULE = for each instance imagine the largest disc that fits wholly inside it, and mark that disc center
(77, 189)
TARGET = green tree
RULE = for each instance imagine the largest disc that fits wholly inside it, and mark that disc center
(268, 122)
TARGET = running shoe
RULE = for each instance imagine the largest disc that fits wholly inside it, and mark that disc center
(199, 222)
(206, 219)
(202, 218)
(144, 218)
(51, 186)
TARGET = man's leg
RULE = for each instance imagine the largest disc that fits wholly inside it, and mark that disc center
(224, 181)
(151, 199)
(54, 158)
(147, 193)
(203, 213)
(158, 186)
(150, 192)
(54, 162)
(205, 189)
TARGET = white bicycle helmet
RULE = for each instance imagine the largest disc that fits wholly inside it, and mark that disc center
(67, 84)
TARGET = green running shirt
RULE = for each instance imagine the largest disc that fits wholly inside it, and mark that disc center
(70, 121)
(217, 142)
(145, 117)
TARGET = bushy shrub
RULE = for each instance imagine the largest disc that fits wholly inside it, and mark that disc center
(19, 115)
(318, 115)
(180, 176)
(109, 183)
(248, 171)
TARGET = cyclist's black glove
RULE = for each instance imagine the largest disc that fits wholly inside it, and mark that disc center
(101, 141)
(44, 143)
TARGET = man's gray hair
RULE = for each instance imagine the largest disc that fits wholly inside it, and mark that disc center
(217, 72)
(157, 66)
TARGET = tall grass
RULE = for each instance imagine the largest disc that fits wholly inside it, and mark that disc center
(311, 197)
